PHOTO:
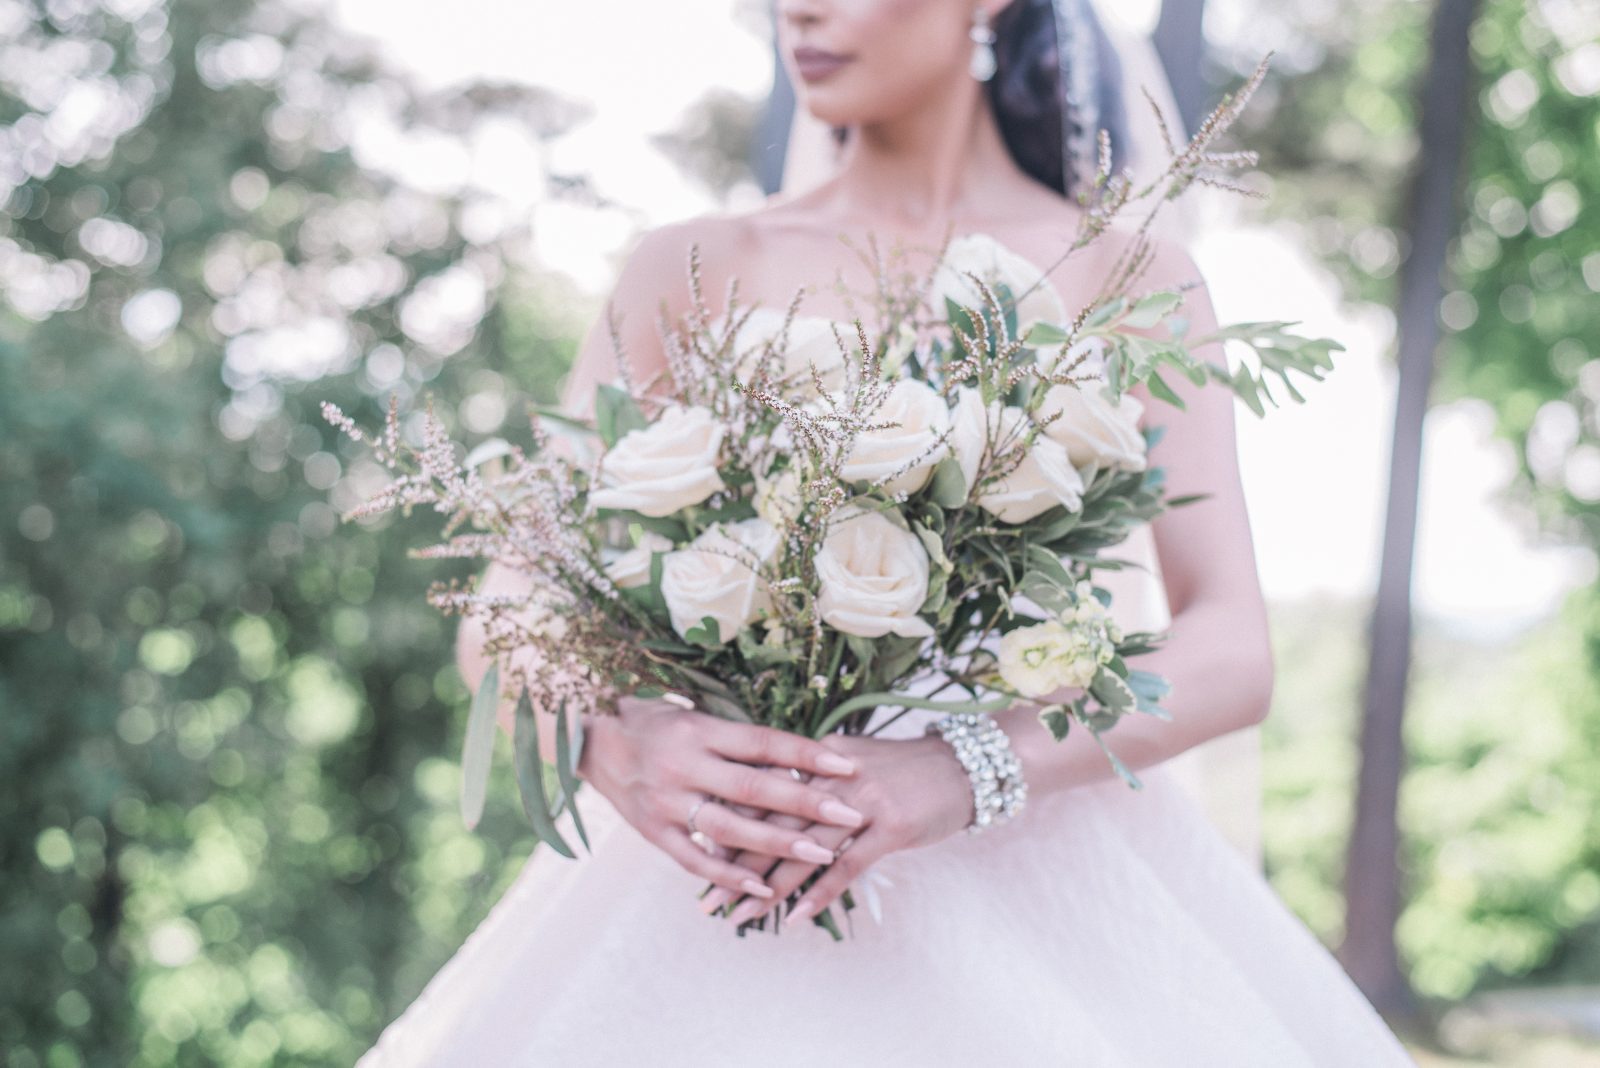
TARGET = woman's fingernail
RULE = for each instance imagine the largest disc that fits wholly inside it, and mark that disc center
(841, 813)
(757, 887)
(801, 912)
(715, 900)
(807, 850)
(834, 764)
(747, 911)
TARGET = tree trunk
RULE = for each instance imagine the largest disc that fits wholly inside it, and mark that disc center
(1372, 875)
(1180, 41)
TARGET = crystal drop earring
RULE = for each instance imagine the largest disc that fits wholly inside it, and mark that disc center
(982, 65)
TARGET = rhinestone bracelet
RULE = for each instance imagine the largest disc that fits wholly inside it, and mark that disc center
(998, 790)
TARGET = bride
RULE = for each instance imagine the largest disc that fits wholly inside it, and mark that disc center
(1102, 925)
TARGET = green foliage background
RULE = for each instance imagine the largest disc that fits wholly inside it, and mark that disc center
(228, 724)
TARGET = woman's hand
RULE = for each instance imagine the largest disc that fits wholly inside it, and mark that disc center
(913, 792)
(655, 759)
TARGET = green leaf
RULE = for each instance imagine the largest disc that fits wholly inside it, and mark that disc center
(959, 319)
(1121, 769)
(530, 778)
(1158, 388)
(1148, 690)
(477, 750)
(731, 512)
(706, 634)
(615, 414)
(1049, 565)
(865, 650)
(896, 656)
(1105, 313)
(1111, 691)
(1056, 721)
(1041, 335)
(567, 774)
(1152, 309)
(948, 487)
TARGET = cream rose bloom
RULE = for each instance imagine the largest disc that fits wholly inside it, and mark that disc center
(1093, 429)
(716, 575)
(995, 264)
(1044, 478)
(921, 417)
(811, 343)
(873, 576)
(632, 568)
(666, 466)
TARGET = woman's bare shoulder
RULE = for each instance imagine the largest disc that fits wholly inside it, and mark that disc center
(659, 265)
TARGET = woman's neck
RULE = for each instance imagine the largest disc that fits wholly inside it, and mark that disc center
(942, 161)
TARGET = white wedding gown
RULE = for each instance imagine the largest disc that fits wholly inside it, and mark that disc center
(1103, 926)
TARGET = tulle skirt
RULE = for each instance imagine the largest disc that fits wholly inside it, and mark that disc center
(1103, 926)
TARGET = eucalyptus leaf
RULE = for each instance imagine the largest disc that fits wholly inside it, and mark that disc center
(566, 774)
(477, 751)
(531, 778)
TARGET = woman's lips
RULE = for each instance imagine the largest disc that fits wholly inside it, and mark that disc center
(814, 64)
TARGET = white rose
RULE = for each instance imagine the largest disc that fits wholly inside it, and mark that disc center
(777, 498)
(632, 568)
(873, 575)
(811, 343)
(716, 575)
(1093, 429)
(1044, 478)
(908, 447)
(995, 264)
(668, 465)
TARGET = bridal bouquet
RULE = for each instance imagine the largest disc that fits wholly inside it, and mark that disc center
(809, 521)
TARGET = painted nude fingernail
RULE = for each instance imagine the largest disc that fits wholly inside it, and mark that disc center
(747, 911)
(807, 850)
(840, 813)
(801, 912)
(757, 887)
(834, 764)
(715, 900)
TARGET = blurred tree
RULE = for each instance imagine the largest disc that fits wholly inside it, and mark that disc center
(1373, 892)
(227, 826)
(1337, 127)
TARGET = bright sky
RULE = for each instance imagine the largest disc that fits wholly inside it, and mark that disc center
(1315, 476)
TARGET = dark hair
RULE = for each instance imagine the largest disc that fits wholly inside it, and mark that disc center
(1027, 97)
